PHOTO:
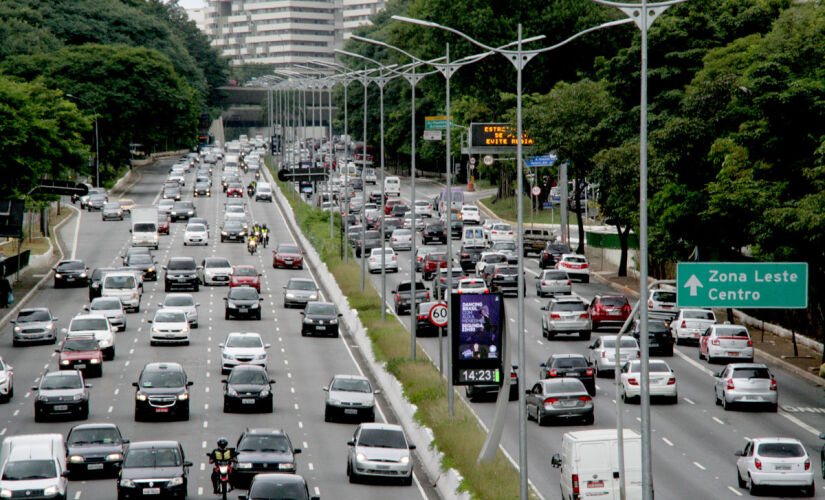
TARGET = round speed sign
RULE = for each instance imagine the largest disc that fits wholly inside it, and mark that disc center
(438, 315)
(488, 160)
(536, 190)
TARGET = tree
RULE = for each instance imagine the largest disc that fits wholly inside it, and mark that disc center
(617, 172)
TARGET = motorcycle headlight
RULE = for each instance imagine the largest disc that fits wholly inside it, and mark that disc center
(140, 396)
(150, 270)
(114, 457)
(127, 483)
(244, 465)
(94, 361)
(65, 362)
(286, 466)
(51, 490)
(76, 459)
(183, 396)
(176, 481)
(405, 460)
(361, 457)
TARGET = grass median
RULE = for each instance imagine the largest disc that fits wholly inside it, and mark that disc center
(459, 438)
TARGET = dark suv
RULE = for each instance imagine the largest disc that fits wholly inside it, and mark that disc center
(71, 272)
(153, 469)
(552, 254)
(181, 272)
(262, 450)
(162, 389)
(570, 365)
(183, 210)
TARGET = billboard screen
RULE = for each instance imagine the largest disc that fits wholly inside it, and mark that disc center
(477, 335)
(496, 135)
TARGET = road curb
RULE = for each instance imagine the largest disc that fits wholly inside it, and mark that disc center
(775, 361)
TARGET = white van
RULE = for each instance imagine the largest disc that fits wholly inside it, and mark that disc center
(232, 160)
(589, 464)
(33, 462)
(392, 186)
(263, 191)
(473, 236)
(122, 285)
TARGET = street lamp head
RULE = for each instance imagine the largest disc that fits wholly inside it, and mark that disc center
(416, 21)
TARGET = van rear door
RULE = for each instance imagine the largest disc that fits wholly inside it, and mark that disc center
(596, 464)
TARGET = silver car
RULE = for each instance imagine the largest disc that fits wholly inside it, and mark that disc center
(559, 398)
(566, 315)
(111, 211)
(380, 450)
(745, 383)
(215, 271)
(182, 302)
(112, 308)
(401, 239)
(603, 353)
(553, 282)
(34, 324)
(299, 291)
(349, 396)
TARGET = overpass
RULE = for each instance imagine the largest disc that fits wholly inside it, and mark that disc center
(247, 107)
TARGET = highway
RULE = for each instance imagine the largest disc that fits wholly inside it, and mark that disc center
(300, 366)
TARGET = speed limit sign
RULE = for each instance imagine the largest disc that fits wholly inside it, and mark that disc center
(438, 315)
(488, 160)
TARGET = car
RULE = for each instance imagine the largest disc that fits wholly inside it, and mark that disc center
(535, 239)
(96, 202)
(96, 280)
(660, 339)
(434, 232)
(95, 448)
(233, 230)
(319, 318)
(602, 353)
(774, 461)
(162, 390)
(181, 272)
(169, 326)
(182, 302)
(391, 224)
(489, 258)
(662, 304)
(261, 450)
(84, 200)
(372, 218)
(608, 310)
(6, 381)
(550, 256)
(569, 365)
(456, 229)
(202, 188)
(165, 206)
(243, 348)
(393, 202)
(577, 266)
(349, 397)
(234, 189)
(125, 285)
(131, 252)
(470, 214)
(423, 208)
(153, 469)
(504, 280)
(726, 341)
(382, 258)
(63, 394)
(177, 176)
(287, 255)
(375, 444)
(440, 283)
(566, 315)
(276, 486)
(562, 398)
(195, 234)
(145, 264)
(413, 225)
(468, 256)
(173, 193)
(245, 275)
(183, 210)
(433, 261)
(248, 386)
(263, 191)
(471, 285)
(553, 282)
(501, 231)
(111, 211)
(81, 352)
(508, 249)
(300, 291)
(403, 295)
(71, 273)
(689, 324)
(112, 308)
(215, 271)
(399, 211)
(745, 384)
(34, 325)
(375, 196)
(401, 239)
(371, 240)
(662, 381)
(420, 253)
(242, 301)
(97, 325)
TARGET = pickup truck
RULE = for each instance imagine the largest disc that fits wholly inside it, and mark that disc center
(432, 263)
(536, 239)
(403, 296)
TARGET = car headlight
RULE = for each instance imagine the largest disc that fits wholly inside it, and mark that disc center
(94, 361)
(41, 397)
(254, 306)
(51, 490)
(224, 233)
(140, 396)
(105, 342)
(128, 483)
(77, 397)
(242, 233)
(360, 457)
(231, 392)
(18, 329)
(58, 275)
(405, 460)
(176, 481)
(5, 493)
(183, 396)
(154, 330)
(65, 362)
(150, 270)
(314, 296)
(226, 356)
(185, 329)
(76, 459)
(114, 457)
(286, 466)
(82, 275)
(290, 295)
(231, 305)
(264, 393)
(309, 320)
(244, 465)
(333, 401)
(260, 356)
(333, 322)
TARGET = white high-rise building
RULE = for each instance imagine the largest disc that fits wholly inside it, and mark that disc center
(356, 13)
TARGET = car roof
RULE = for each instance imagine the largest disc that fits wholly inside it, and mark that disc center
(349, 376)
(776, 440)
(246, 367)
(566, 299)
(737, 366)
(96, 425)
(264, 430)
(154, 444)
(381, 426)
(275, 477)
(163, 366)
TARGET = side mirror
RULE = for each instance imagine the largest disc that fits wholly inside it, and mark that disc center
(197, 305)
(243, 497)
(224, 381)
(34, 387)
(124, 441)
(57, 350)
(543, 308)
(267, 346)
(717, 374)
(64, 330)
(88, 386)
(556, 460)
(160, 304)
(340, 315)
(326, 389)
(528, 391)
(164, 268)
(65, 473)
(187, 464)
(134, 384)
(272, 381)
(296, 451)
(260, 299)
(149, 320)
(412, 446)
(377, 391)
(85, 308)
(542, 365)
(739, 453)
(221, 345)
(822, 435)
(302, 313)
(350, 443)
(189, 383)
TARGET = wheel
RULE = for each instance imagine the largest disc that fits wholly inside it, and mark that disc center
(84, 414)
(539, 419)
(353, 477)
(195, 325)
(589, 419)
(725, 405)
(741, 482)
(710, 359)
(184, 415)
(197, 287)
(808, 491)
(407, 481)
(11, 391)
(774, 408)
(258, 316)
(370, 417)
(584, 335)
(224, 490)
(166, 287)
(716, 399)
(226, 315)
(701, 356)
(327, 414)
(753, 488)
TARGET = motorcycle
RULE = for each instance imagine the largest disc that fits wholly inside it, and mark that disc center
(252, 245)
(257, 176)
(251, 191)
(265, 238)
(223, 469)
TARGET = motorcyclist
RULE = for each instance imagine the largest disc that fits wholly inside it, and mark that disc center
(251, 243)
(220, 454)
(256, 230)
(251, 188)
(264, 235)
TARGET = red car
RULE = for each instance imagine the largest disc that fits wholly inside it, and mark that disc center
(81, 353)
(613, 309)
(163, 223)
(245, 276)
(234, 191)
(433, 262)
(287, 255)
(389, 204)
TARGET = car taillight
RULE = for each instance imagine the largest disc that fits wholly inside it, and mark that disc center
(551, 401)
(729, 385)
(398, 298)
(552, 373)
(604, 354)
(584, 266)
(638, 354)
(715, 341)
(757, 463)
(586, 399)
(394, 257)
(569, 283)
(543, 283)
(684, 324)
(632, 381)
(584, 316)
(650, 304)
(465, 255)
(555, 316)
(513, 375)
(372, 259)
(750, 343)
(626, 308)
(773, 384)
(671, 381)
(575, 483)
(395, 239)
(428, 294)
(807, 464)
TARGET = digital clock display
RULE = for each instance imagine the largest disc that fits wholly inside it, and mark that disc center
(479, 375)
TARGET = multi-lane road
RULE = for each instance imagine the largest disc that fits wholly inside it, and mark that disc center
(301, 366)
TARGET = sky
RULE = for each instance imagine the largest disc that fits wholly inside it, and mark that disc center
(188, 4)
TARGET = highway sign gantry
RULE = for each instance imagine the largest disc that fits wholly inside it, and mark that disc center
(744, 285)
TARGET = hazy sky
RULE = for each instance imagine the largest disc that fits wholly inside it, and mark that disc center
(188, 4)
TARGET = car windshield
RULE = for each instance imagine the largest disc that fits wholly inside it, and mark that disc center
(751, 372)
(320, 309)
(29, 469)
(111, 206)
(162, 379)
(105, 304)
(502, 227)
(437, 257)
(213, 262)
(61, 381)
(301, 285)
(232, 225)
(613, 301)
(508, 270)
(140, 259)
(30, 315)
(82, 324)
(183, 264)
(688, 314)
(272, 443)
(244, 341)
(71, 344)
(119, 282)
(152, 457)
(250, 377)
(577, 362)
(559, 248)
(626, 343)
(243, 293)
(351, 385)
(104, 435)
(277, 488)
(170, 317)
(494, 258)
(664, 296)
(185, 205)
(780, 450)
(245, 271)
(568, 306)
(71, 266)
(179, 301)
(382, 438)
(196, 228)
(288, 249)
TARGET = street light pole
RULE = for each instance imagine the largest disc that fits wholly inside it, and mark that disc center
(97, 138)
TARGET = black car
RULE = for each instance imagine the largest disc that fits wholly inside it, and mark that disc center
(320, 318)
(95, 449)
(570, 365)
(457, 228)
(183, 210)
(390, 225)
(274, 486)
(71, 273)
(375, 196)
(399, 210)
(162, 390)
(145, 264)
(660, 338)
(233, 230)
(423, 326)
(248, 386)
(96, 281)
(403, 295)
(468, 256)
(504, 279)
(153, 469)
(372, 239)
(181, 272)
(134, 251)
(552, 254)
(62, 393)
(262, 450)
(434, 232)
(242, 301)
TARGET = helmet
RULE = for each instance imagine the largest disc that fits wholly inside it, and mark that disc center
(264, 226)
(222, 442)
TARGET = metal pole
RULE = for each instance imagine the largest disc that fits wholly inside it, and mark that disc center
(413, 303)
(449, 291)
(346, 160)
(331, 159)
(364, 190)
(97, 152)
(294, 137)
(381, 82)
(563, 217)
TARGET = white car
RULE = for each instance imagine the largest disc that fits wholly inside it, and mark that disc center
(662, 302)
(472, 285)
(215, 271)
(577, 266)
(195, 234)
(169, 326)
(237, 216)
(689, 324)
(97, 325)
(182, 302)
(112, 308)
(6, 381)
(602, 353)
(423, 208)
(726, 342)
(384, 256)
(489, 258)
(401, 239)
(177, 177)
(165, 205)
(370, 177)
(661, 377)
(487, 225)
(470, 214)
(243, 348)
(501, 232)
(775, 461)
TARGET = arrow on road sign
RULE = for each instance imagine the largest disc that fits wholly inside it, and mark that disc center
(693, 283)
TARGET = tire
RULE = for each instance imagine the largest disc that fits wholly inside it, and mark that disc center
(774, 408)
(808, 491)
(370, 417)
(753, 488)
(258, 316)
(166, 287)
(328, 414)
(725, 405)
(711, 360)
(539, 420)
(589, 419)
(353, 477)
(184, 415)
(699, 353)
(716, 400)
(584, 335)
(407, 481)
(739, 481)
(226, 315)
(586, 279)
(197, 287)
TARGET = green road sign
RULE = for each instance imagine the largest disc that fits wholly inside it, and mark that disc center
(436, 122)
(754, 285)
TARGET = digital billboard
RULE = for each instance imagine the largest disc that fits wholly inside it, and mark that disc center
(477, 330)
(496, 135)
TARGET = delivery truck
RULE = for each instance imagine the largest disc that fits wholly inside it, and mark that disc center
(144, 227)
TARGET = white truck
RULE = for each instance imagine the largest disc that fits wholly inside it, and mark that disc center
(589, 464)
(144, 227)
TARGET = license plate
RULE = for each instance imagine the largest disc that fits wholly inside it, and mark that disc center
(248, 401)
(221, 278)
(180, 279)
(69, 278)
(783, 467)
(733, 353)
(161, 410)
(61, 407)
(568, 403)
(571, 374)
(595, 484)
(151, 491)
(350, 411)
(320, 328)
(242, 309)
(94, 467)
(383, 467)
(80, 366)
(615, 313)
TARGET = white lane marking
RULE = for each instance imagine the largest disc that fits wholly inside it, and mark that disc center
(697, 464)
(3, 432)
(702, 368)
(206, 406)
(77, 495)
(735, 491)
(111, 409)
(800, 423)
(300, 425)
(203, 444)
(200, 490)
(667, 441)
(318, 491)
(296, 406)
(117, 391)
(292, 390)
(16, 412)
(206, 389)
(289, 375)
(306, 445)
(689, 401)
(718, 420)
(311, 467)
(205, 424)
(76, 233)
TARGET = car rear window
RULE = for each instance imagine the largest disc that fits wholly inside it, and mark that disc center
(780, 450)
(732, 332)
(568, 306)
(698, 315)
(555, 275)
(664, 296)
(613, 301)
(626, 342)
(751, 373)
(576, 362)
